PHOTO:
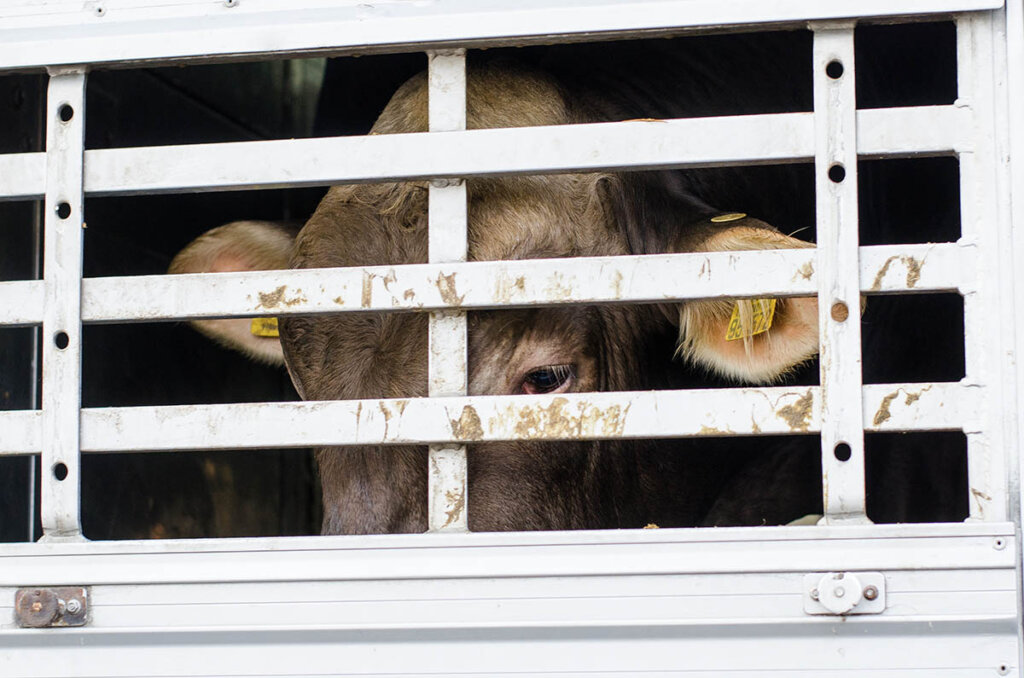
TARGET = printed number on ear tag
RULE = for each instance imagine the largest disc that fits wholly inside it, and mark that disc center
(264, 327)
(762, 312)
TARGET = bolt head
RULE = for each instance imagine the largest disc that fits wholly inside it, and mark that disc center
(74, 606)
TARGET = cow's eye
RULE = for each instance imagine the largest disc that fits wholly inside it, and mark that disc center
(549, 379)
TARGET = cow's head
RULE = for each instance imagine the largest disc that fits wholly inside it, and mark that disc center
(552, 350)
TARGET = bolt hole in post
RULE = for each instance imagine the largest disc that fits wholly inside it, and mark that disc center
(837, 173)
(842, 452)
(61, 340)
(65, 112)
(834, 69)
(60, 471)
(63, 210)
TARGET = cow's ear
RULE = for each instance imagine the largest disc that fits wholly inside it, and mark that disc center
(729, 337)
(240, 246)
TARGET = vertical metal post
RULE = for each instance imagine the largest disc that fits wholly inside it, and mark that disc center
(982, 186)
(62, 320)
(1014, 22)
(447, 483)
(842, 426)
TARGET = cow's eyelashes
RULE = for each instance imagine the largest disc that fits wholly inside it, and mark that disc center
(549, 379)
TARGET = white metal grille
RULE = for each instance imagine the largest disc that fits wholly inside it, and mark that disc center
(961, 577)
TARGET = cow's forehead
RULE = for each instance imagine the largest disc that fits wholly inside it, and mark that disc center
(496, 96)
(540, 217)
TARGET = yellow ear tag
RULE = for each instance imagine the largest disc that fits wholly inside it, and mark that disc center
(731, 216)
(762, 312)
(263, 327)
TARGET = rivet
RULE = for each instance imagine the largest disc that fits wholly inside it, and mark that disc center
(839, 592)
(840, 311)
(870, 593)
(814, 594)
(999, 544)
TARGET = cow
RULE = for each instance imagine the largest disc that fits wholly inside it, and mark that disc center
(523, 485)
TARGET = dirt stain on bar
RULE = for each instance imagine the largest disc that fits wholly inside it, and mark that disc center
(913, 271)
(446, 286)
(276, 299)
(467, 426)
(883, 414)
(798, 415)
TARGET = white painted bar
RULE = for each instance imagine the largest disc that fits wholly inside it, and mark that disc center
(980, 218)
(447, 470)
(838, 275)
(696, 142)
(22, 176)
(749, 411)
(886, 269)
(21, 302)
(22, 432)
(125, 32)
(62, 284)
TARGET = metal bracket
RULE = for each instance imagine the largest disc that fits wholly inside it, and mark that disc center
(843, 593)
(41, 608)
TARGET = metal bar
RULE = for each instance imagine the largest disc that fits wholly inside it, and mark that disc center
(62, 323)
(1014, 18)
(122, 34)
(447, 475)
(837, 267)
(578, 416)
(21, 302)
(698, 142)
(885, 269)
(22, 176)
(980, 218)
(912, 547)
(705, 142)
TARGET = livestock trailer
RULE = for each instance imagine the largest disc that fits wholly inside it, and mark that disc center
(903, 146)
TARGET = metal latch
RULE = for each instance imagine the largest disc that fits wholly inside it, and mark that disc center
(51, 607)
(844, 593)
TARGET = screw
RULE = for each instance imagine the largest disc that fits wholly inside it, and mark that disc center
(74, 606)
(814, 594)
(870, 593)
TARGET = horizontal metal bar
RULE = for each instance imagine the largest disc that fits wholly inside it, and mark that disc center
(122, 32)
(485, 285)
(22, 432)
(696, 142)
(22, 176)
(357, 557)
(577, 416)
(21, 302)
(903, 132)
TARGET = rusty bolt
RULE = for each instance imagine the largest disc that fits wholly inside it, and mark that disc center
(840, 312)
(36, 608)
(870, 592)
